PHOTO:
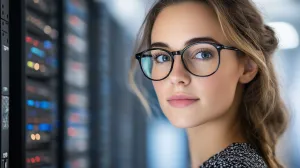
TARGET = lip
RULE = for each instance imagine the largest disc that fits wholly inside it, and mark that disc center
(182, 101)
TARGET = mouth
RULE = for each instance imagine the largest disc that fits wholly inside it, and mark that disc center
(182, 101)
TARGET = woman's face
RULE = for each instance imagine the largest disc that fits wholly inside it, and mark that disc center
(185, 99)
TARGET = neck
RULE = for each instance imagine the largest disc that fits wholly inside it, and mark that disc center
(210, 138)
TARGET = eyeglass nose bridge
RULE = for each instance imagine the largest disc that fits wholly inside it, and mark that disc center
(176, 53)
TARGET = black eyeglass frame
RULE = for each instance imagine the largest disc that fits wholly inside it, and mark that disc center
(219, 47)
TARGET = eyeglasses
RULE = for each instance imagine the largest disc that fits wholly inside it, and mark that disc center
(201, 59)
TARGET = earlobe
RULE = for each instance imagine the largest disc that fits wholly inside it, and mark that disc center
(250, 71)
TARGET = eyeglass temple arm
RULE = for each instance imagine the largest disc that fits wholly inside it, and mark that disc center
(230, 48)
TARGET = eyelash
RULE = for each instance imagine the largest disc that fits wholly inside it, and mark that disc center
(158, 54)
(201, 50)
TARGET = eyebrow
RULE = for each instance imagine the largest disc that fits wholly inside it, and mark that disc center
(191, 41)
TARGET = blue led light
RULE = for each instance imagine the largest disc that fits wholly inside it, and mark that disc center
(45, 127)
(37, 104)
(47, 44)
(37, 52)
(45, 105)
(30, 103)
(29, 127)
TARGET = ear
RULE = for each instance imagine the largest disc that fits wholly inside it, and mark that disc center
(250, 71)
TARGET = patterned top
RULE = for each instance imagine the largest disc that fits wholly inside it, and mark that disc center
(236, 155)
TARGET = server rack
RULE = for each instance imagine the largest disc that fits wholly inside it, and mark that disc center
(42, 85)
(100, 83)
(54, 102)
(117, 118)
(33, 77)
(40, 82)
(122, 114)
(76, 79)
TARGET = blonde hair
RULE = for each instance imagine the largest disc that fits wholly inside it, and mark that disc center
(263, 111)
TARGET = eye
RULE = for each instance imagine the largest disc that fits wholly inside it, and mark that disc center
(162, 58)
(203, 55)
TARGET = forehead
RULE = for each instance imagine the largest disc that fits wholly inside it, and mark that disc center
(181, 22)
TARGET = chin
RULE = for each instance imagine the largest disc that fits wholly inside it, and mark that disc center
(186, 125)
(185, 121)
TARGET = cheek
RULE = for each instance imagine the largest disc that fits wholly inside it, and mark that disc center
(159, 88)
(220, 88)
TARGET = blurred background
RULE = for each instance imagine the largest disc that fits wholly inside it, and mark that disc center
(77, 109)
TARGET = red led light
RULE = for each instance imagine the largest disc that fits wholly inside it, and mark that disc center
(28, 160)
(74, 118)
(73, 99)
(28, 39)
(76, 66)
(35, 43)
(72, 132)
(37, 159)
(72, 39)
(30, 89)
(32, 160)
(74, 20)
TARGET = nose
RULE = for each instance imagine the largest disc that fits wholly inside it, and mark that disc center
(179, 75)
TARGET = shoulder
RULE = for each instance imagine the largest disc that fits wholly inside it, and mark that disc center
(237, 155)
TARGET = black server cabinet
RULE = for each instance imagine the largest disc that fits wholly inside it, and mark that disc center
(76, 84)
(48, 73)
(100, 84)
(4, 82)
(33, 78)
(117, 118)
(63, 111)
(40, 83)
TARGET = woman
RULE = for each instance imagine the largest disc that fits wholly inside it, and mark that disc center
(210, 63)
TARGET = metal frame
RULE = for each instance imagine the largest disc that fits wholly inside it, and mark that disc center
(61, 90)
(17, 84)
